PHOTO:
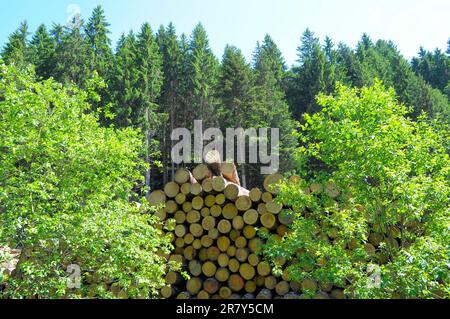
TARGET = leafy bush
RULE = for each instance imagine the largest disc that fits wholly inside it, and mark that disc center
(66, 196)
(391, 212)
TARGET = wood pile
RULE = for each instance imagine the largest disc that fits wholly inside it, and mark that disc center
(215, 223)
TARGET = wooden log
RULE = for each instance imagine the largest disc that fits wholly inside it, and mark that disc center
(161, 214)
(249, 296)
(236, 283)
(197, 203)
(235, 296)
(203, 295)
(201, 172)
(223, 260)
(337, 294)
(241, 242)
(184, 295)
(250, 286)
(229, 211)
(180, 198)
(211, 286)
(207, 185)
(242, 254)
(370, 249)
(282, 288)
(176, 258)
(185, 189)
(213, 233)
(210, 200)
(267, 197)
(196, 189)
(273, 207)
(233, 191)
(195, 268)
(231, 251)
(193, 217)
(209, 269)
(223, 243)
(188, 239)
(238, 222)
(375, 239)
(332, 190)
(220, 199)
(255, 244)
(208, 223)
(249, 232)
(196, 230)
(190, 253)
(187, 207)
(316, 188)
(213, 253)
(264, 294)
(197, 243)
(171, 207)
(216, 296)
(292, 295)
(173, 278)
(263, 269)
(180, 230)
(222, 274)
(255, 195)
(215, 211)
(271, 181)
(270, 282)
(183, 176)
(259, 280)
(309, 285)
(168, 291)
(262, 209)
(205, 212)
(194, 285)
(157, 198)
(282, 230)
(203, 254)
(253, 260)
(243, 203)
(179, 243)
(268, 220)
(219, 183)
(207, 241)
(234, 234)
(251, 217)
(321, 295)
(171, 189)
(247, 271)
(224, 226)
(225, 292)
(286, 217)
(233, 265)
(229, 171)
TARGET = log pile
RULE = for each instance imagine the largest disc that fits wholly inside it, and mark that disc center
(215, 236)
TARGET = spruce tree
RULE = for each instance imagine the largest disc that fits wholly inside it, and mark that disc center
(202, 78)
(96, 31)
(16, 50)
(42, 49)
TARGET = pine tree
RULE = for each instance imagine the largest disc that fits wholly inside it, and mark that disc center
(16, 49)
(42, 50)
(97, 39)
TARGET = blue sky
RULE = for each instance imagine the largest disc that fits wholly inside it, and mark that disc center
(409, 23)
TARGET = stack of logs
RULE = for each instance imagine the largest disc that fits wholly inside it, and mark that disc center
(215, 222)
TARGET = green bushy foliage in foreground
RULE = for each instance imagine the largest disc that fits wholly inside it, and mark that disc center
(394, 180)
(66, 196)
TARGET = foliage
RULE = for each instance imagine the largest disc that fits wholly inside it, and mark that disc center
(67, 195)
(393, 174)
